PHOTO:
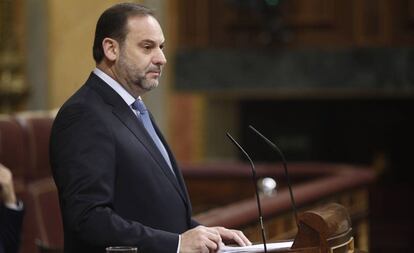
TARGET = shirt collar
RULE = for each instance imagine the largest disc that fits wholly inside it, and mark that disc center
(128, 98)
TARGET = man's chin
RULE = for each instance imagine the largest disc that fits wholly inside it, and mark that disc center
(150, 85)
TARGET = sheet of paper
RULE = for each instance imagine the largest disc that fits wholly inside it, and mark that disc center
(256, 248)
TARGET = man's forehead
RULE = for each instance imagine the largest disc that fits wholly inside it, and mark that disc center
(146, 27)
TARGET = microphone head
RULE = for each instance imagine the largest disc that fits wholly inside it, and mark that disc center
(267, 186)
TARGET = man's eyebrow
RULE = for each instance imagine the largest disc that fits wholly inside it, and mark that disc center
(150, 41)
(147, 41)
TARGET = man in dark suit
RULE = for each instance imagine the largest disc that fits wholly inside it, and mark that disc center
(11, 214)
(118, 181)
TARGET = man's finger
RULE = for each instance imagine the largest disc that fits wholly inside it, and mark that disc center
(213, 235)
(242, 237)
(234, 235)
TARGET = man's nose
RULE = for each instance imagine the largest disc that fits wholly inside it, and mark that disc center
(159, 58)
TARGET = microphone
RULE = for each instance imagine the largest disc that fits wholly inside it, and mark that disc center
(255, 185)
(274, 147)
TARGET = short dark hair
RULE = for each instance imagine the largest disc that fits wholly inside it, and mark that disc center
(112, 24)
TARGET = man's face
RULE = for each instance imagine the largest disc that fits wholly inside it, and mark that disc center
(141, 56)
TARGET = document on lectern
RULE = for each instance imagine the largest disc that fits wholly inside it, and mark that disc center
(256, 247)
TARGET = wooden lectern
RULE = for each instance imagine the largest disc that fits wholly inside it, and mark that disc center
(326, 229)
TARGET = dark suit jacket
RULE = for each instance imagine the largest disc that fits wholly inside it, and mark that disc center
(10, 229)
(115, 187)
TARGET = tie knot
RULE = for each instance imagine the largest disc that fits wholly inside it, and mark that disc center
(139, 106)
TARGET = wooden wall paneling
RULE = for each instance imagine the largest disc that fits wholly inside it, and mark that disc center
(203, 22)
(316, 13)
(194, 25)
(19, 20)
(223, 31)
(402, 24)
(316, 23)
(13, 83)
(372, 22)
(410, 10)
(321, 23)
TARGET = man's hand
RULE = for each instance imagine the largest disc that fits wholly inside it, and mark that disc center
(6, 186)
(209, 239)
(200, 240)
(233, 236)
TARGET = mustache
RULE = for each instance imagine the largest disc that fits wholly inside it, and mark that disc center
(154, 69)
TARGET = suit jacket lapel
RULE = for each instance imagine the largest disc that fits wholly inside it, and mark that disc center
(178, 176)
(127, 117)
(131, 122)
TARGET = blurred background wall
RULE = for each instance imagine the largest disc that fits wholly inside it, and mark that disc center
(329, 80)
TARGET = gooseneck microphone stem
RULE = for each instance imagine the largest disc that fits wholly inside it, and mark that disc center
(271, 144)
(256, 190)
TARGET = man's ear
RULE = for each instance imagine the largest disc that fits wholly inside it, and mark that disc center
(110, 48)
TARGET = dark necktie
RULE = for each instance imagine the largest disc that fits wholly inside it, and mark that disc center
(144, 118)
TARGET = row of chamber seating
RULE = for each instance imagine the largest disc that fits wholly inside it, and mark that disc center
(24, 149)
(24, 143)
